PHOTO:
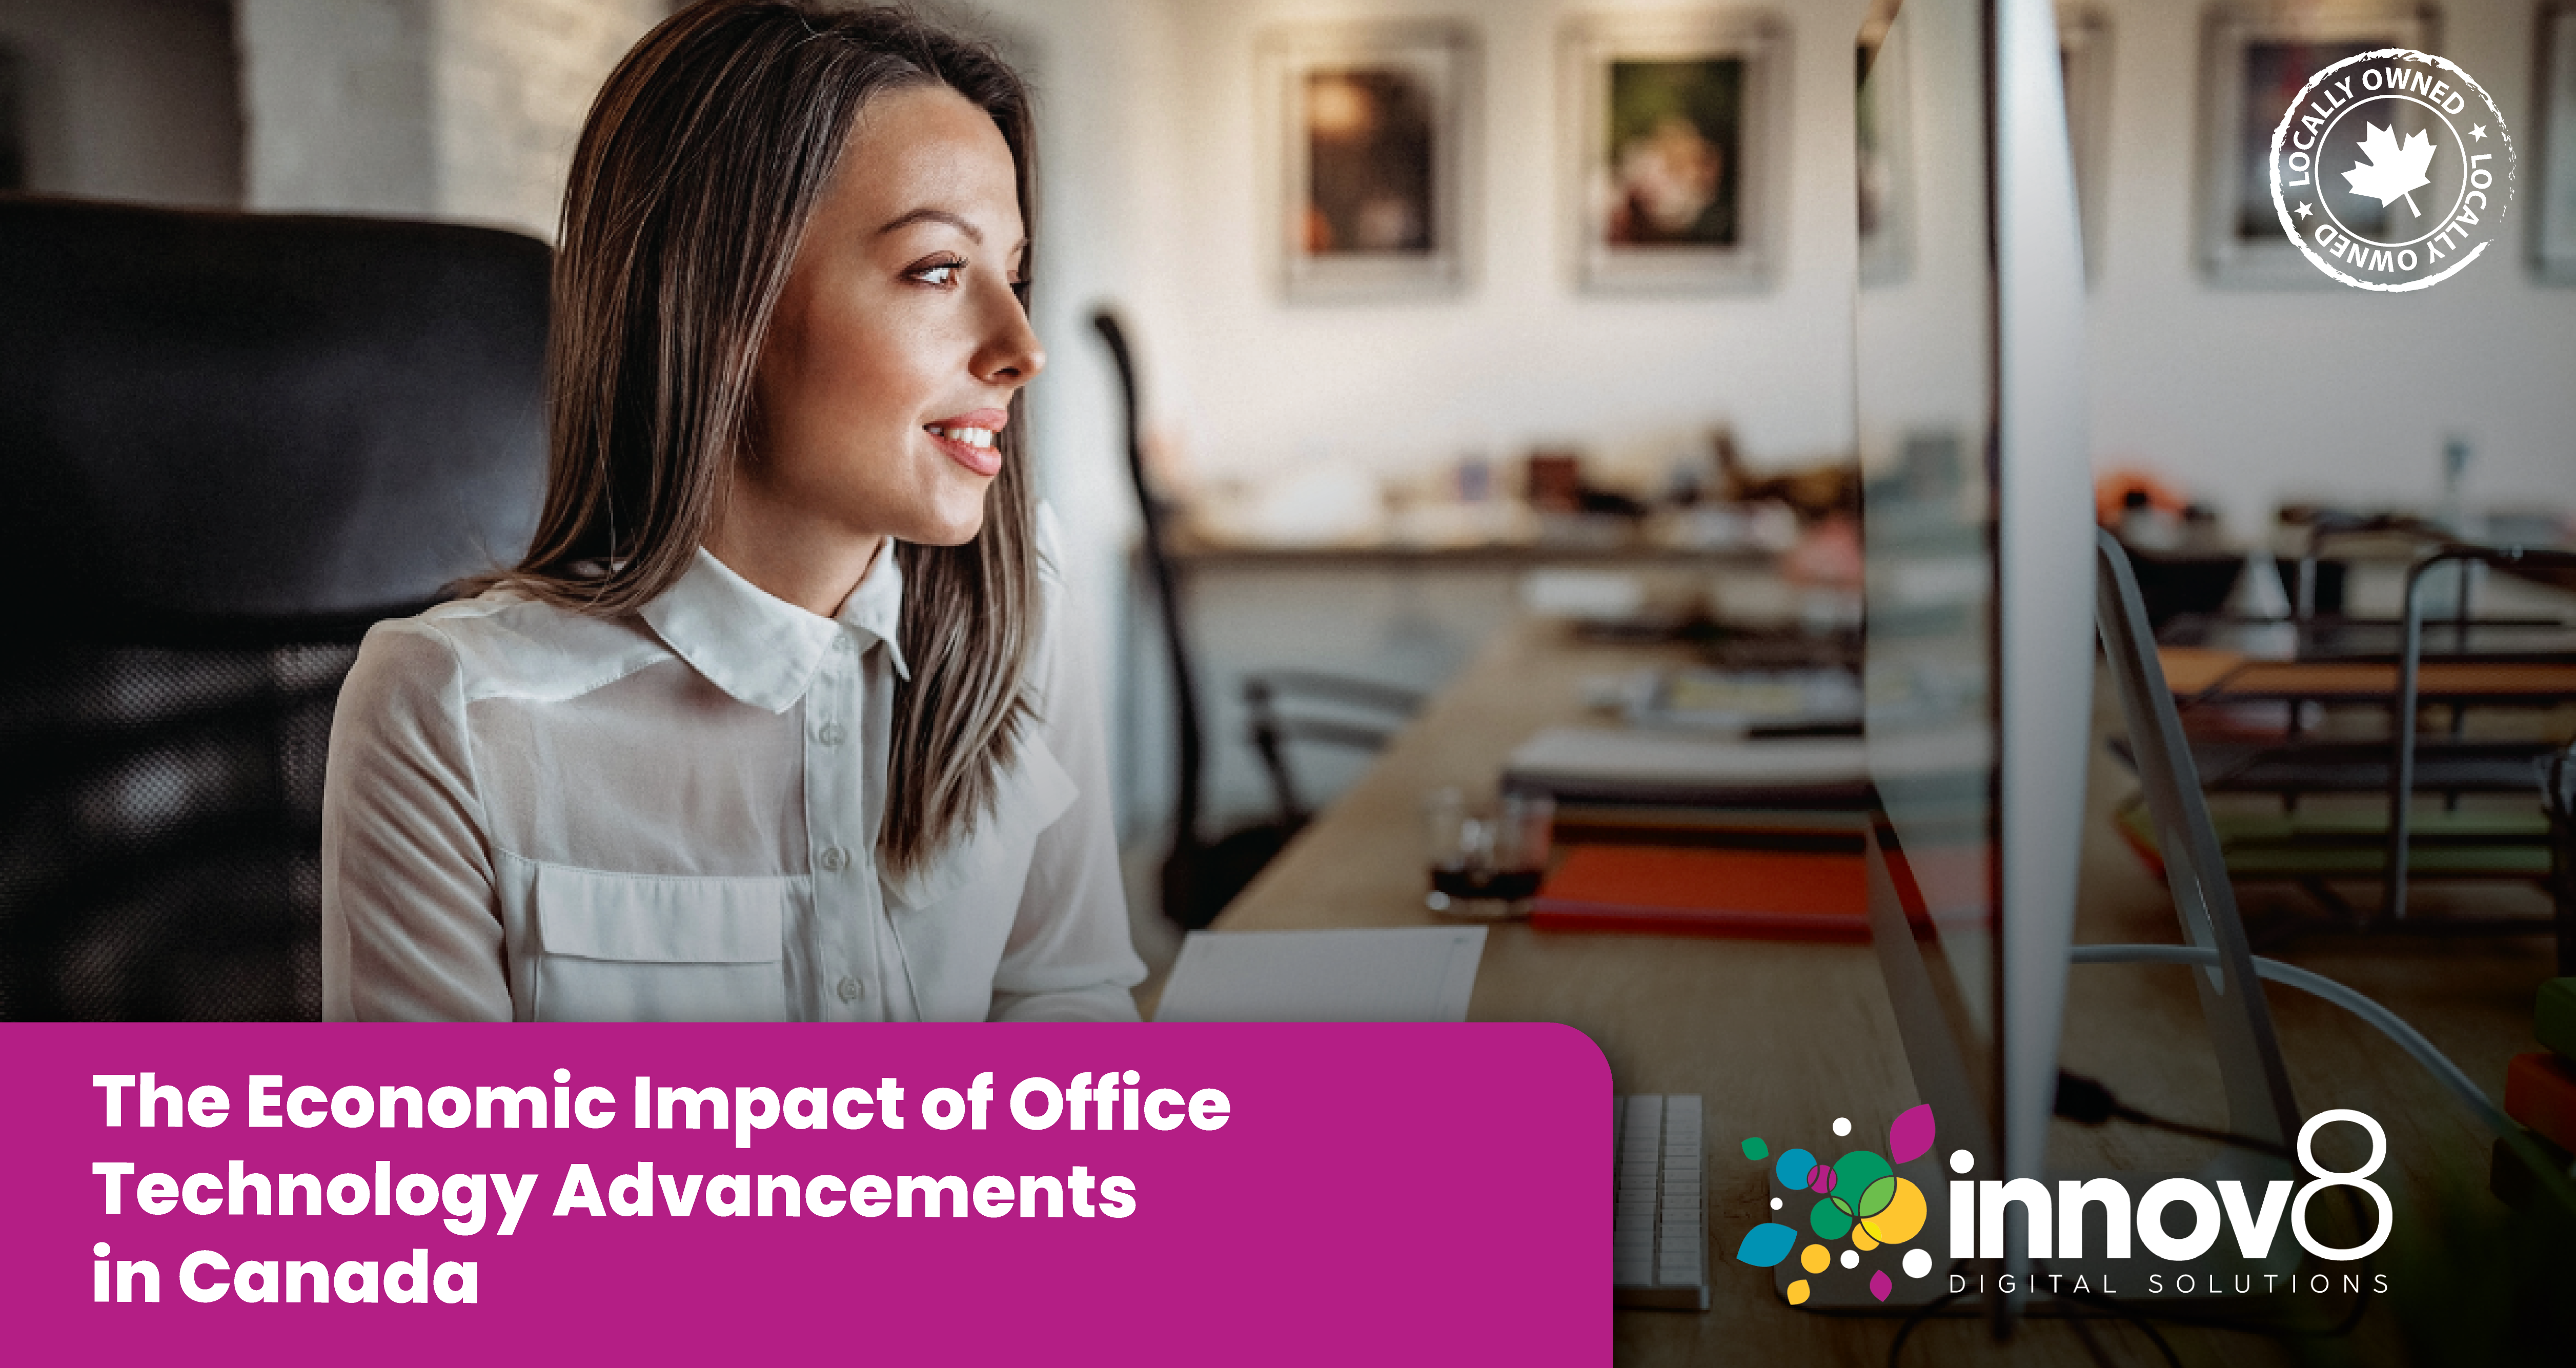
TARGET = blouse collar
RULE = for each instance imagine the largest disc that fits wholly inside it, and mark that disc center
(764, 650)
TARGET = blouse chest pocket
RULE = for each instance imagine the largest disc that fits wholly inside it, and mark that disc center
(629, 947)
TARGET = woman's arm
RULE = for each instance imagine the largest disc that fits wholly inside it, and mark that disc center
(409, 927)
(1070, 956)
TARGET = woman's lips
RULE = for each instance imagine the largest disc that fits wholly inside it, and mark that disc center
(981, 460)
(971, 439)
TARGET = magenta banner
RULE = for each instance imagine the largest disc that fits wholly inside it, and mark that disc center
(1082, 1193)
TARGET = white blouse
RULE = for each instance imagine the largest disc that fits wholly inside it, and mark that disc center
(535, 815)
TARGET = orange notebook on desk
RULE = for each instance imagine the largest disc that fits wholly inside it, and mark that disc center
(1771, 894)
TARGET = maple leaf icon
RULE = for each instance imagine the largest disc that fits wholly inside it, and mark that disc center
(2392, 171)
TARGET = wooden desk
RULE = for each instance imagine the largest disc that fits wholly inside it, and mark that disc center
(2200, 675)
(1782, 1038)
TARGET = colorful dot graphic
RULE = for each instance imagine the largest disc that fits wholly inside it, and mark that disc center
(1859, 1198)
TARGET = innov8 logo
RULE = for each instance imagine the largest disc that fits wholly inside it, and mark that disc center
(1859, 1198)
(1977, 1208)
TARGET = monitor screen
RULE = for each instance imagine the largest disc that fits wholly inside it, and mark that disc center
(1977, 523)
(1924, 350)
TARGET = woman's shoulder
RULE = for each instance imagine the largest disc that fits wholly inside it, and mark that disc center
(1050, 532)
(506, 643)
(1054, 596)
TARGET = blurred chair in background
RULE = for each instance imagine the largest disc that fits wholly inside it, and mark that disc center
(231, 442)
(1290, 706)
(1200, 877)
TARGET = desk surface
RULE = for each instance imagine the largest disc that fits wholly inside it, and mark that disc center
(1781, 1038)
(2198, 674)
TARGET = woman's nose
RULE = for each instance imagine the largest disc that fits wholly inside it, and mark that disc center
(1011, 355)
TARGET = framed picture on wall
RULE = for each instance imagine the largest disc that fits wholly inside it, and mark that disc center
(2554, 225)
(2255, 58)
(1672, 126)
(1372, 131)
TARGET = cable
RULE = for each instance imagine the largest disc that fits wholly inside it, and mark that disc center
(2389, 1023)
(2134, 1317)
(1915, 1318)
(1922, 1313)
(2090, 1103)
(2559, 1181)
(2086, 1097)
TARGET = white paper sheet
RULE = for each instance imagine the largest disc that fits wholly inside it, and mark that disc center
(1401, 974)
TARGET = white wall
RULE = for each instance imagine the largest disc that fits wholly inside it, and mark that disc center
(467, 109)
(1521, 356)
(513, 81)
(336, 106)
(1108, 193)
(1148, 133)
(2255, 396)
(2248, 397)
(455, 109)
(135, 100)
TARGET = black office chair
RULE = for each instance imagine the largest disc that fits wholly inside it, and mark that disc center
(1199, 877)
(1292, 706)
(231, 443)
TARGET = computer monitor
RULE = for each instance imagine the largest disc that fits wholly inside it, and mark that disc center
(1977, 522)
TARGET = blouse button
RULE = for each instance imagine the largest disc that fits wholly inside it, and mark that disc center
(841, 642)
(832, 734)
(832, 859)
(848, 989)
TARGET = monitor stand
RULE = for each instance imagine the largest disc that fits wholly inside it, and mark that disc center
(2259, 1102)
(1942, 1040)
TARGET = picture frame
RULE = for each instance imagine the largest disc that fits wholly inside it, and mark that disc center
(2553, 219)
(1372, 131)
(2084, 61)
(1672, 129)
(2254, 59)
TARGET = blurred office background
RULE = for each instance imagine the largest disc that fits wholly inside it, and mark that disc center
(1366, 473)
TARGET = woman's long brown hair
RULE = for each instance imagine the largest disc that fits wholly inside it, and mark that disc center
(696, 173)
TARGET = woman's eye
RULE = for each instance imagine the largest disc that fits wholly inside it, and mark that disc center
(941, 273)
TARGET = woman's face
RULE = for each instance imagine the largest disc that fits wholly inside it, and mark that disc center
(885, 381)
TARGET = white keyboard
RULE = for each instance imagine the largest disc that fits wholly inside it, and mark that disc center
(1659, 1241)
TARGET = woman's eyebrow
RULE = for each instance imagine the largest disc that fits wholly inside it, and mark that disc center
(930, 215)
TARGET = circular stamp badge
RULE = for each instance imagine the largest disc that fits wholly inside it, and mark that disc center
(2392, 170)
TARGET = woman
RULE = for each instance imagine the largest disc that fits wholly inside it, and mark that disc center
(778, 717)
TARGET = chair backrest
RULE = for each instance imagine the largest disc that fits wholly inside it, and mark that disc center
(1158, 563)
(231, 441)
